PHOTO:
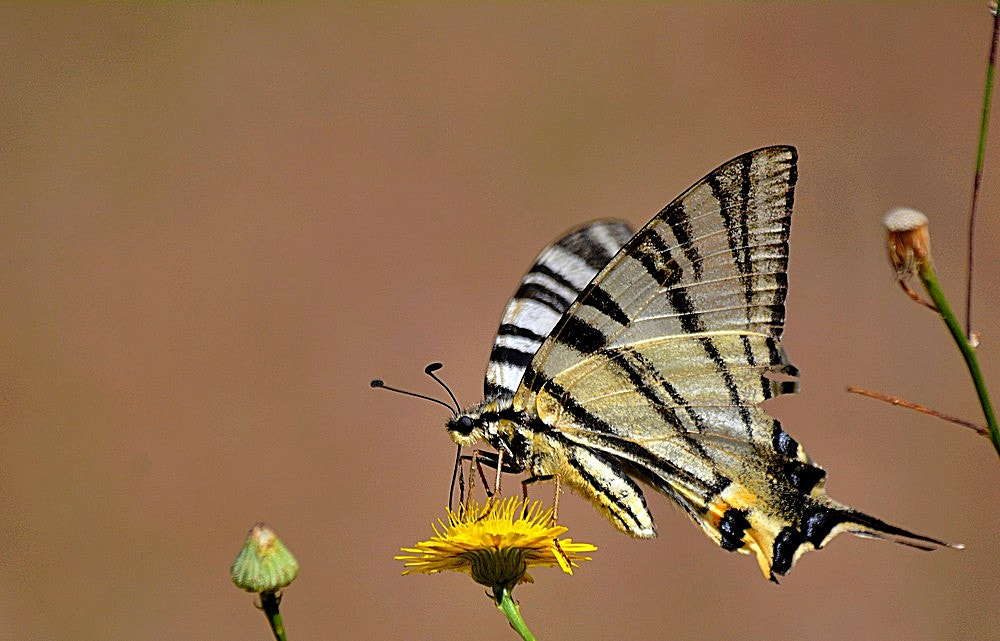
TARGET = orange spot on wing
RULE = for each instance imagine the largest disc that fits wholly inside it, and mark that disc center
(715, 512)
(739, 497)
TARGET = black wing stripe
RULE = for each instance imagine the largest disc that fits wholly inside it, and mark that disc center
(675, 396)
(544, 295)
(578, 334)
(734, 392)
(492, 390)
(545, 270)
(655, 257)
(508, 329)
(640, 378)
(604, 437)
(733, 208)
(676, 216)
(600, 300)
(765, 383)
(510, 356)
(604, 490)
(585, 247)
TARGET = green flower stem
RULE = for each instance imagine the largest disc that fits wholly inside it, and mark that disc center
(269, 604)
(506, 605)
(930, 281)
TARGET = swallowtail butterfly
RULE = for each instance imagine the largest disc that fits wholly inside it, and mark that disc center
(642, 358)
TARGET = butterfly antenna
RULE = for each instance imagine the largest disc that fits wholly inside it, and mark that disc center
(454, 477)
(380, 384)
(429, 370)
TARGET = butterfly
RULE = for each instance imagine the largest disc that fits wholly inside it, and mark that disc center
(642, 358)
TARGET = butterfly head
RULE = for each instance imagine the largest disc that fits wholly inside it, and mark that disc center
(474, 424)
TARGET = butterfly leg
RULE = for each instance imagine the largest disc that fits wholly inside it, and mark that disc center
(563, 559)
(496, 486)
(555, 499)
(476, 461)
(473, 462)
(460, 473)
(480, 458)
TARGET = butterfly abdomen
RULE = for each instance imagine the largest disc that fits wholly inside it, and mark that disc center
(601, 479)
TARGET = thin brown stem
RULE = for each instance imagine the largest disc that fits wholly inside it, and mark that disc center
(915, 296)
(893, 400)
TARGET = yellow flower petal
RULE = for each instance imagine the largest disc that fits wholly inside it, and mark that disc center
(496, 544)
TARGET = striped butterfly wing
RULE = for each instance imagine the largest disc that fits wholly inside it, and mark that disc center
(556, 278)
(657, 369)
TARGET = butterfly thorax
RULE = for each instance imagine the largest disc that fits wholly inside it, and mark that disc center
(496, 421)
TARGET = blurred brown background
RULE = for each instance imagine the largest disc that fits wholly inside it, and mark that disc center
(220, 223)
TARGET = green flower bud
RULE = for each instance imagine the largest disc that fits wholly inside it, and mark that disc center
(264, 564)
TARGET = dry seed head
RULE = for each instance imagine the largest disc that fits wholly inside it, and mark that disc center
(909, 242)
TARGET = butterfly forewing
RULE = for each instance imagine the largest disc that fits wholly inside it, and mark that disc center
(712, 260)
(556, 278)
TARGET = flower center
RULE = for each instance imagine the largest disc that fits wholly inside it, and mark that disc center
(500, 569)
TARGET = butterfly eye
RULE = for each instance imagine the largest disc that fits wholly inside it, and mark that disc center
(463, 425)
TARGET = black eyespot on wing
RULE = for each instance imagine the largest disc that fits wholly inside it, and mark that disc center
(783, 443)
(785, 545)
(732, 526)
(819, 521)
(803, 476)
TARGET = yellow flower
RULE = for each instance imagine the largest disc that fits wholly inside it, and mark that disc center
(496, 544)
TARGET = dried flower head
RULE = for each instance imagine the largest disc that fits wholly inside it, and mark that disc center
(496, 544)
(908, 239)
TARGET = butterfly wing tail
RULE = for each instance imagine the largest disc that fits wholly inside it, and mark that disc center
(868, 526)
(824, 519)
